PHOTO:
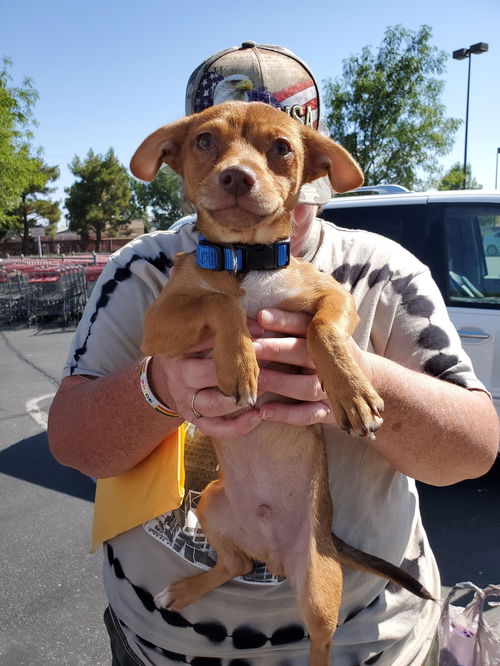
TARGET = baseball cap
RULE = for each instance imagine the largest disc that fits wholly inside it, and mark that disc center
(261, 73)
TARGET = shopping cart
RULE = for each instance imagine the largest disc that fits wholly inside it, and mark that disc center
(32, 289)
(13, 289)
(56, 292)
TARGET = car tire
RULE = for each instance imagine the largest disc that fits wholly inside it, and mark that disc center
(491, 250)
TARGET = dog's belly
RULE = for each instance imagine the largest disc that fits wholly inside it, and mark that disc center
(268, 474)
(266, 289)
(270, 478)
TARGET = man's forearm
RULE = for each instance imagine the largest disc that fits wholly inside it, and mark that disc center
(434, 431)
(105, 426)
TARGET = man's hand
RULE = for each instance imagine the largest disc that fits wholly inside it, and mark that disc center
(187, 383)
(313, 405)
(279, 337)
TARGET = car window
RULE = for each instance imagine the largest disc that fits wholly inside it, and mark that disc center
(417, 227)
(473, 251)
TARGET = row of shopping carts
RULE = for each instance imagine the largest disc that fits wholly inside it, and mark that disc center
(31, 292)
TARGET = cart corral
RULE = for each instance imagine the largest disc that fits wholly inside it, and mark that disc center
(35, 289)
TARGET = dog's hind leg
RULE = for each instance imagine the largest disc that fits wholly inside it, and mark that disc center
(315, 570)
(214, 514)
(318, 598)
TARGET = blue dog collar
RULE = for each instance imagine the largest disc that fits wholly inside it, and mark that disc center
(240, 258)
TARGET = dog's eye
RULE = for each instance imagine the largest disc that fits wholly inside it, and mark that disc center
(282, 147)
(205, 141)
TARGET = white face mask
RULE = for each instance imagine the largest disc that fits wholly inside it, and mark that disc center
(319, 192)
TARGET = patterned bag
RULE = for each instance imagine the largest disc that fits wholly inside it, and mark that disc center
(465, 638)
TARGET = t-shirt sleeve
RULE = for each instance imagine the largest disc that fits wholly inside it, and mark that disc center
(422, 336)
(109, 334)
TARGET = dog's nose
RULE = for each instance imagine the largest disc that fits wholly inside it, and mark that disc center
(237, 180)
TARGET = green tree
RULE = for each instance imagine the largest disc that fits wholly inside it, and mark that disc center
(164, 197)
(16, 122)
(100, 198)
(138, 202)
(35, 205)
(453, 179)
(386, 109)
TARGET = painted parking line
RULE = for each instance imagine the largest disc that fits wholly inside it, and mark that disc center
(36, 412)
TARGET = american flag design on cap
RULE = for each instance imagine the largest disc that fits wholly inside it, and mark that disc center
(303, 96)
(205, 93)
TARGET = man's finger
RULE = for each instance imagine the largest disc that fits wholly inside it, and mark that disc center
(292, 351)
(301, 414)
(211, 403)
(306, 388)
(221, 428)
(293, 323)
(197, 372)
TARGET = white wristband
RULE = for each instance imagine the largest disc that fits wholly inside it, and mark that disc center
(148, 393)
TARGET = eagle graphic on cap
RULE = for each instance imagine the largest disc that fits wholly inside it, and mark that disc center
(238, 87)
(215, 89)
(233, 88)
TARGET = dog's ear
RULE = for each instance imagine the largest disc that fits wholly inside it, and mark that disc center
(324, 157)
(163, 146)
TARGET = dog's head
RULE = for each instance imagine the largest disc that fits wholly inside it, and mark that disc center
(243, 165)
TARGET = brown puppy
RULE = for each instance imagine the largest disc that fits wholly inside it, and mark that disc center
(243, 165)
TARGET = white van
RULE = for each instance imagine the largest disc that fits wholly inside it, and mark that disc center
(446, 231)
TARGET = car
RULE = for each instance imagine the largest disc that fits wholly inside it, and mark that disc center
(491, 244)
(456, 234)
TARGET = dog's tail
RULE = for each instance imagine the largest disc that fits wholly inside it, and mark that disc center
(356, 559)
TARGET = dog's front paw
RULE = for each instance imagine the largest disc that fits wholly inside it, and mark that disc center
(238, 375)
(367, 407)
(357, 409)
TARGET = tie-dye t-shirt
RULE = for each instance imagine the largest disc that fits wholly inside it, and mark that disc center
(254, 620)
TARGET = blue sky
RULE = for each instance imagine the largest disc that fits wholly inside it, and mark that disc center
(111, 71)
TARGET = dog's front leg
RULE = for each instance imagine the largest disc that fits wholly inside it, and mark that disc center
(355, 403)
(234, 354)
(176, 322)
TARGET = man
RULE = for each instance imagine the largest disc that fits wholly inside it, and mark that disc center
(115, 412)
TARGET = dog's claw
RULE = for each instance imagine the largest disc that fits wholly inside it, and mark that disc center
(357, 411)
(250, 401)
(239, 379)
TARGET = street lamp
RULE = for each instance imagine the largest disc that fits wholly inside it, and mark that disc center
(461, 54)
(496, 169)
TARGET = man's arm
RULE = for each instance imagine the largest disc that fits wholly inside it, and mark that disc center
(433, 431)
(104, 427)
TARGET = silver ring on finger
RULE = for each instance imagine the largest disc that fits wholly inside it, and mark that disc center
(193, 408)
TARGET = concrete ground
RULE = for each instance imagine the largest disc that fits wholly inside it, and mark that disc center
(50, 587)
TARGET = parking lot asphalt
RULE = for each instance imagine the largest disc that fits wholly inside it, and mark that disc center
(50, 588)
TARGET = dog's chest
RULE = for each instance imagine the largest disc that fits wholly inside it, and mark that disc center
(265, 289)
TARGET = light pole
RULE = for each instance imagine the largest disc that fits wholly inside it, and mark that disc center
(496, 169)
(461, 54)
